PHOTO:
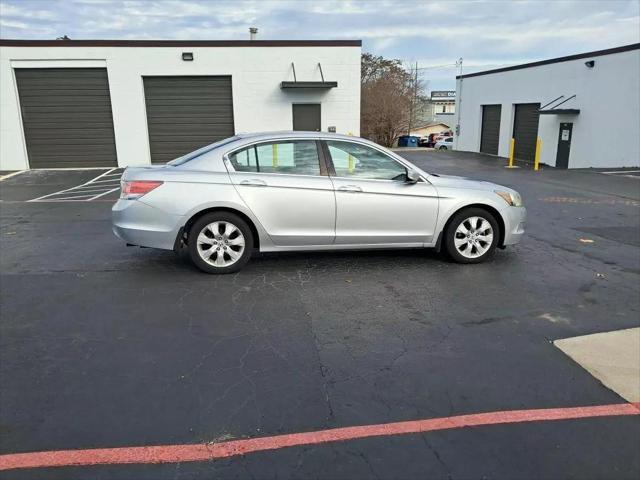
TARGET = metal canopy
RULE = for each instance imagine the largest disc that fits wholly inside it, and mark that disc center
(308, 84)
(560, 111)
(554, 110)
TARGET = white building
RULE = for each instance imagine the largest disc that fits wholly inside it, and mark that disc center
(440, 107)
(98, 103)
(584, 108)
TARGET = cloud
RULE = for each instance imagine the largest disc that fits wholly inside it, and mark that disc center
(485, 33)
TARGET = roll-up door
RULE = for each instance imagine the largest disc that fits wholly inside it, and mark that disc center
(186, 113)
(66, 117)
(490, 137)
(525, 131)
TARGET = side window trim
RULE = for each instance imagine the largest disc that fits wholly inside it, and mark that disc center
(332, 170)
(326, 158)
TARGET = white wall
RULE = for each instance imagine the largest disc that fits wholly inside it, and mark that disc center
(605, 133)
(258, 102)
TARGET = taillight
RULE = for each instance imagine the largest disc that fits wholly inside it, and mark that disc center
(137, 188)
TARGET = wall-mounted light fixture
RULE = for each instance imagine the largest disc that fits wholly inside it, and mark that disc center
(187, 56)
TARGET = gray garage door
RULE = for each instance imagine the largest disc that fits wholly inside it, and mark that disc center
(186, 113)
(525, 131)
(66, 114)
(490, 136)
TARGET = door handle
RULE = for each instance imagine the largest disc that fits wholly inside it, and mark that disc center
(254, 182)
(350, 188)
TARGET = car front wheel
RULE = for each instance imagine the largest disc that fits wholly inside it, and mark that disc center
(471, 236)
(220, 242)
(443, 147)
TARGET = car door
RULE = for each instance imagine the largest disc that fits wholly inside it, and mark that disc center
(374, 202)
(288, 191)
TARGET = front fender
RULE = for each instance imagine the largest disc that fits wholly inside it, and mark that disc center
(452, 202)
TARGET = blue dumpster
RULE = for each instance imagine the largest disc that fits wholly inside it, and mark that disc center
(407, 141)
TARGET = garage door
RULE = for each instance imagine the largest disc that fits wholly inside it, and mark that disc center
(490, 129)
(186, 113)
(525, 131)
(66, 116)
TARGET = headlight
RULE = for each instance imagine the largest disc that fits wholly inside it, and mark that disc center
(512, 198)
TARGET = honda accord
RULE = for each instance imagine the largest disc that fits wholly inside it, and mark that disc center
(293, 191)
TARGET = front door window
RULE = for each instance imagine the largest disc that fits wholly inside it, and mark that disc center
(354, 160)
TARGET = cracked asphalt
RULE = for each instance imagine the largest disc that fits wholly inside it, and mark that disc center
(104, 346)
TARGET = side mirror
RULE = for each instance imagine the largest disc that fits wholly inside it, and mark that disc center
(412, 177)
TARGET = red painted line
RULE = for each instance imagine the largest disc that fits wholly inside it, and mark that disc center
(212, 451)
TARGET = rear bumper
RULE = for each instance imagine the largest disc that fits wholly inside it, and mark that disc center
(514, 222)
(140, 224)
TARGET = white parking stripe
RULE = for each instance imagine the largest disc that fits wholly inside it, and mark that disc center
(9, 175)
(105, 183)
(102, 194)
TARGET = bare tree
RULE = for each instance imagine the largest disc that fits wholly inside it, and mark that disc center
(391, 99)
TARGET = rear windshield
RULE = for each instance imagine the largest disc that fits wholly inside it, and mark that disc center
(191, 155)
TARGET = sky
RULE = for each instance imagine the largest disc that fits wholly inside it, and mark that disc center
(485, 34)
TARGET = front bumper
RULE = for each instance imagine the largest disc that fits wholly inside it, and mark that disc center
(140, 224)
(514, 224)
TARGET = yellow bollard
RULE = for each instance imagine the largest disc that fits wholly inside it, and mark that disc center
(274, 152)
(536, 162)
(512, 147)
(350, 163)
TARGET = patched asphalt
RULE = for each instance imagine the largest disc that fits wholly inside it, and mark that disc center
(104, 346)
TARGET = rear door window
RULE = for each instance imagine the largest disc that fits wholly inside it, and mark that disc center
(293, 157)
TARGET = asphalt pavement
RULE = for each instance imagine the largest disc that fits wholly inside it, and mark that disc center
(102, 345)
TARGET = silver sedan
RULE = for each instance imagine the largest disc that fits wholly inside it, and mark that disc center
(293, 191)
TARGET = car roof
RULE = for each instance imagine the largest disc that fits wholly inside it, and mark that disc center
(295, 134)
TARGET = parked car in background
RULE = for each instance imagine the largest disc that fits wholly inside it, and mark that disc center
(293, 191)
(423, 141)
(442, 136)
(444, 144)
(431, 140)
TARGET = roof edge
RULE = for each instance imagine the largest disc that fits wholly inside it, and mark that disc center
(578, 56)
(179, 43)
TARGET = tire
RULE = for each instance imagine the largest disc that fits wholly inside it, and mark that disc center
(480, 247)
(233, 237)
(442, 148)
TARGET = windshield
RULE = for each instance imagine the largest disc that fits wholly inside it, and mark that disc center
(196, 153)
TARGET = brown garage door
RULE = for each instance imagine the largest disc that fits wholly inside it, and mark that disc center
(525, 131)
(490, 137)
(186, 113)
(66, 116)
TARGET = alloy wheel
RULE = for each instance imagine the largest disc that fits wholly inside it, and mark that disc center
(220, 244)
(473, 237)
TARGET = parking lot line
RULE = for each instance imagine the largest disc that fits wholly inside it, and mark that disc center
(105, 183)
(12, 174)
(103, 193)
(213, 451)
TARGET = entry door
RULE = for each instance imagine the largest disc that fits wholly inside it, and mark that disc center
(374, 203)
(564, 145)
(306, 117)
(285, 187)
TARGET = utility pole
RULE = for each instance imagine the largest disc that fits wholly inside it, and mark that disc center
(414, 102)
(458, 104)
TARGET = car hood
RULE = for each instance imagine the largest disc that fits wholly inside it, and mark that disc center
(463, 182)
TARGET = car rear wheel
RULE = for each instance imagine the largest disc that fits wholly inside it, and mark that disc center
(220, 242)
(471, 236)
